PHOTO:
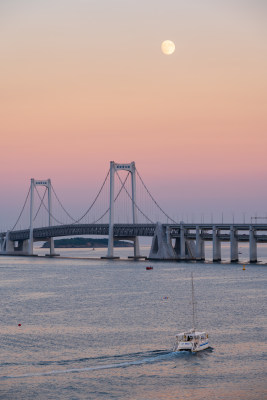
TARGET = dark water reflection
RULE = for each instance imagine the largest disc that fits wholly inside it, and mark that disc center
(104, 330)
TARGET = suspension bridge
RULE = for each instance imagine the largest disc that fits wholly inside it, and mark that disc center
(119, 199)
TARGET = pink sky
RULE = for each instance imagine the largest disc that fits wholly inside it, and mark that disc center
(85, 82)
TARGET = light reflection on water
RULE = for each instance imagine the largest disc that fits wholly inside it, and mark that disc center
(104, 329)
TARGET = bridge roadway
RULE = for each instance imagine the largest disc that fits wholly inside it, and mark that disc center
(133, 230)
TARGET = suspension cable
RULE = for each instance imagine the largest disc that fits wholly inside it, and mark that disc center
(134, 201)
(93, 203)
(75, 221)
(143, 183)
(41, 203)
(78, 220)
(122, 186)
(98, 194)
(22, 209)
(49, 213)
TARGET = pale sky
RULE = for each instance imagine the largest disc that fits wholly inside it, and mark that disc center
(83, 82)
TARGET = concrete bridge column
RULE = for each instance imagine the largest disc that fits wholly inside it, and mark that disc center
(161, 248)
(203, 249)
(136, 248)
(25, 246)
(200, 247)
(9, 244)
(252, 245)
(52, 247)
(216, 244)
(2, 244)
(52, 252)
(233, 245)
(22, 247)
(182, 242)
(168, 235)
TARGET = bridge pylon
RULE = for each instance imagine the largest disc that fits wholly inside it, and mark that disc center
(114, 167)
(46, 183)
(24, 246)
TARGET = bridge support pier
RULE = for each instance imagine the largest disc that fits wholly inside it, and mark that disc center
(216, 244)
(135, 241)
(182, 243)
(252, 246)
(200, 246)
(233, 245)
(189, 251)
(136, 248)
(9, 247)
(52, 252)
(161, 248)
(23, 246)
(1, 244)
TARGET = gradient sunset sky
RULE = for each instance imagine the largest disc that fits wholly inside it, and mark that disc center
(83, 82)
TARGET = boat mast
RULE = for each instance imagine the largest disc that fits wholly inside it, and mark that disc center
(193, 303)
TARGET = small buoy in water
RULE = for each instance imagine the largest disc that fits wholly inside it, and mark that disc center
(244, 268)
(19, 324)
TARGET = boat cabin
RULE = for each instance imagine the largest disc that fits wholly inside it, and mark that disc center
(189, 336)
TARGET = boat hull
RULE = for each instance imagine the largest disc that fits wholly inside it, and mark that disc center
(193, 347)
(202, 346)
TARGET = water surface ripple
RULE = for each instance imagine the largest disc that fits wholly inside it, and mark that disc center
(105, 330)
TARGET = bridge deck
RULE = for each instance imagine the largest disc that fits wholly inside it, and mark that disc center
(133, 230)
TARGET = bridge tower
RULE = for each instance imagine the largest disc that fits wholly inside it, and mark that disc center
(130, 167)
(47, 184)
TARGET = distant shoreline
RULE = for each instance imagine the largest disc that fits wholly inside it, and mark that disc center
(81, 242)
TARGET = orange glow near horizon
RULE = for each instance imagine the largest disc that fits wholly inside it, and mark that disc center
(81, 86)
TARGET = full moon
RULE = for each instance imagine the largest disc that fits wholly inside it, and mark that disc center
(167, 47)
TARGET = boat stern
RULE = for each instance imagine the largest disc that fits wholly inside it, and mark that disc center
(185, 346)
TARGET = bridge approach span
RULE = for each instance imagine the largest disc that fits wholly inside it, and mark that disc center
(170, 241)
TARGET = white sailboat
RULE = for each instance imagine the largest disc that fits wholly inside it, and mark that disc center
(191, 340)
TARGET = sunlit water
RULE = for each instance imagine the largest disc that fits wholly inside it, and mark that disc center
(105, 329)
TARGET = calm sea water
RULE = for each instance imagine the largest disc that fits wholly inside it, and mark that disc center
(105, 329)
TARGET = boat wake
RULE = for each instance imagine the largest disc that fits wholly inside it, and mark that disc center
(151, 357)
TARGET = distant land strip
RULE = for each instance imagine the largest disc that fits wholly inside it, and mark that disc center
(81, 242)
